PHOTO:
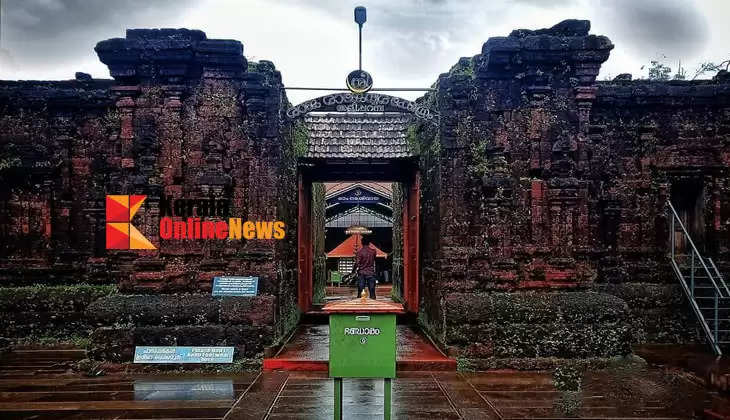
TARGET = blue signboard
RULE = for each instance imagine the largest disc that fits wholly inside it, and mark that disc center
(235, 286)
(182, 354)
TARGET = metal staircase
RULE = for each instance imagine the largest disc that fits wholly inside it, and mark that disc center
(705, 288)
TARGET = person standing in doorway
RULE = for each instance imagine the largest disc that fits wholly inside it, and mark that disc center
(365, 266)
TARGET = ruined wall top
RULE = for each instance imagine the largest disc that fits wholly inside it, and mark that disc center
(622, 92)
(170, 56)
(564, 51)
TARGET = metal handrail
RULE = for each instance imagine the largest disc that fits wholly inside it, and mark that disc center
(694, 250)
(711, 334)
(717, 273)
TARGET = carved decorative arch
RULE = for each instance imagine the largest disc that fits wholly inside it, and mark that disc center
(364, 102)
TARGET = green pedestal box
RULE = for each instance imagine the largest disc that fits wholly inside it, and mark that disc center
(362, 344)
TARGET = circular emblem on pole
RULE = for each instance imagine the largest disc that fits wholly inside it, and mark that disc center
(359, 81)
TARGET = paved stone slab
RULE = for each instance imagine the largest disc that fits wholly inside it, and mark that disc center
(258, 399)
(491, 395)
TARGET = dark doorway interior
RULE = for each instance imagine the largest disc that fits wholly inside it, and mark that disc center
(688, 200)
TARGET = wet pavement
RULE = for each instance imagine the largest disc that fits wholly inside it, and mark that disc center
(695, 358)
(38, 384)
(309, 350)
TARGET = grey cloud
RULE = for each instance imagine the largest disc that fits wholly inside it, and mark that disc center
(404, 40)
(412, 37)
(416, 37)
(650, 28)
(39, 32)
(545, 4)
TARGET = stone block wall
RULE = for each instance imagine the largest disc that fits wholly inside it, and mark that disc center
(542, 180)
(53, 142)
(125, 321)
(185, 117)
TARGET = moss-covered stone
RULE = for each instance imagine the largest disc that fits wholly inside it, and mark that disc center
(537, 325)
(659, 313)
(51, 298)
(117, 344)
(575, 307)
(183, 309)
(48, 311)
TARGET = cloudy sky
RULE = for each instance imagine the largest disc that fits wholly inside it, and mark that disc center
(407, 43)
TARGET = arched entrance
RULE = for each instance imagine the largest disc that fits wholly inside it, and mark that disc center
(360, 137)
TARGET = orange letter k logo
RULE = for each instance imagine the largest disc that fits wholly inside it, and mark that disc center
(120, 234)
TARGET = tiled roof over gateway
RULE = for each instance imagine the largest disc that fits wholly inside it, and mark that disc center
(378, 136)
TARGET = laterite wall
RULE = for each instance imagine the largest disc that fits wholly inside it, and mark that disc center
(185, 117)
(544, 225)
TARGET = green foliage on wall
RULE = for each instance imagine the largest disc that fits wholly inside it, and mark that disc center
(568, 377)
(289, 321)
(479, 163)
(464, 365)
(397, 252)
(414, 146)
(7, 159)
(318, 219)
(477, 141)
(464, 67)
(300, 139)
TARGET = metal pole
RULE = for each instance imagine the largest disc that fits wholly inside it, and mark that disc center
(386, 398)
(360, 47)
(338, 398)
(717, 315)
(692, 273)
(671, 237)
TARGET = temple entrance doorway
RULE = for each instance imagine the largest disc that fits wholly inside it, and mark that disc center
(348, 191)
(359, 177)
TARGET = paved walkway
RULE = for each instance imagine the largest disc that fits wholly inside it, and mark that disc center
(39, 385)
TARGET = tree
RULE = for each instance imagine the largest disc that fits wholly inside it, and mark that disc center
(658, 71)
(711, 67)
